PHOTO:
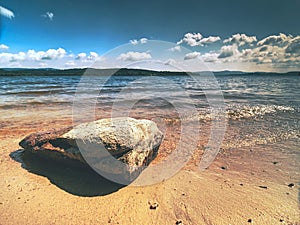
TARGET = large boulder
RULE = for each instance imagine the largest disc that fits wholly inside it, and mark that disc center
(119, 146)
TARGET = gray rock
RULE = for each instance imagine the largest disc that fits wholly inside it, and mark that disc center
(122, 146)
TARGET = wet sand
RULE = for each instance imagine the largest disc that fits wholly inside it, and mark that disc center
(242, 186)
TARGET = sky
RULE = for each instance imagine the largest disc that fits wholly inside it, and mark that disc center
(256, 35)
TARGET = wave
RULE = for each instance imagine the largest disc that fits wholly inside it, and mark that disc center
(236, 112)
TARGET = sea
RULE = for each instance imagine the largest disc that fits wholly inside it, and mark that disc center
(259, 109)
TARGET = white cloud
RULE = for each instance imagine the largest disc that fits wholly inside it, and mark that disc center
(294, 46)
(93, 56)
(276, 51)
(210, 57)
(170, 62)
(210, 39)
(52, 58)
(134, 42)
(191, 55)
(48, 15)
(263, 54)
(48, 55)
(228, 51)
(281, 50)
(81, 55)
(240, 39)
(141, 41)
(279, 40)
(32, 55)
(196, 39)
(6, 12)
(134, 56)
(10, 57)
(3, 47)
(175, 49)
(191, 39)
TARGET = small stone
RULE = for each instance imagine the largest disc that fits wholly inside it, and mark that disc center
(249, 220)
(264, 187)
(153, 205)
(179, 222)
(223, 167)
(281, 220)
(242, 184)
(275, 163)
(291, 185)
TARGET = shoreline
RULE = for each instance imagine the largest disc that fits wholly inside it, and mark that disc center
(241, 185)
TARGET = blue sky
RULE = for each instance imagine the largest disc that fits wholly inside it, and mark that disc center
(72, 27)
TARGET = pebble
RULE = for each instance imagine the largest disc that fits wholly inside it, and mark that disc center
(249, 220)
(264, 187)
(291, 185)
(179, 222)
(153, 205)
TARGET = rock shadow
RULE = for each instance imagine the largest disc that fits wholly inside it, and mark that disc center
(69, 175)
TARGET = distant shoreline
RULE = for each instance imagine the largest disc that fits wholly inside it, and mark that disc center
(124, 72)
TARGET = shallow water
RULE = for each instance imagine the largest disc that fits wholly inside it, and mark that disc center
(260, 109)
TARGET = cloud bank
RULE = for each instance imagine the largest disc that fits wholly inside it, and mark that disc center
(56, 58)
(276, 52)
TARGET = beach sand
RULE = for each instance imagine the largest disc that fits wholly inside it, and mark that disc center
(242, 186)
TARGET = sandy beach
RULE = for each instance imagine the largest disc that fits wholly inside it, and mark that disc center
(149, 113)
(242, 186)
